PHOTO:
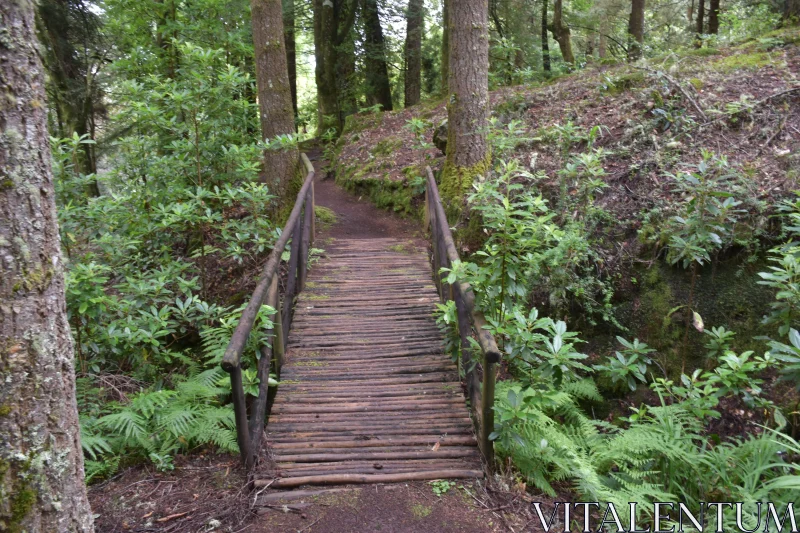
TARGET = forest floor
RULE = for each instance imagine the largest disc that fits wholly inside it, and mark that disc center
(208, 492)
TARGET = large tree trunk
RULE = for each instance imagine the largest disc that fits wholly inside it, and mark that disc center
(467, 109)
(333, 20)
(545, 43)
(561, 33)
(377, 72)
(41, 462)
(636, 30)
(413, 52)
(701, 15)
(274, 93)
(445, 67)
(291, 50)
(713, 17)
(325, 67)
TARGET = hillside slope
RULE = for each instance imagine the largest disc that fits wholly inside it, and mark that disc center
(644, 123)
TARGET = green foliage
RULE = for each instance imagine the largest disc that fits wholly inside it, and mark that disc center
(784, 273)
(158, 423)
(628, 366)
(789, 355)
(441, 486)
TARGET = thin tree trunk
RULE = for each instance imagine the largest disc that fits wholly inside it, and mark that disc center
(379, 91)
(274, 94)
(41, 461)
(413, 52)
(467, 149)
(545, 43)
(291, 50)
(636, 30)
(561, 33)
(701, 15)
(713, 17)
(445, 67)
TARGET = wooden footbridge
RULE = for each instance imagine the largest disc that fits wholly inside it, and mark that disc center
(367, 393)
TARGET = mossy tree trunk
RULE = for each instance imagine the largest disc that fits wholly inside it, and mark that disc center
(274, 92)
(545, 39)
(41, 462)
(561, 32)
(378, 89)
(291, 49)
(636, 30)
(468, 103)
(70, 32)
(413, 52)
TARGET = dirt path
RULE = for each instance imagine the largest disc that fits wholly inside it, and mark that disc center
(356, 217)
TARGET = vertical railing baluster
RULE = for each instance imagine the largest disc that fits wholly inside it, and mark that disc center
(240, 415)
(308, 219)
(291, 282)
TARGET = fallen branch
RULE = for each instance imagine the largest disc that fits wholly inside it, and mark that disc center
(172, 517)
(678, 86)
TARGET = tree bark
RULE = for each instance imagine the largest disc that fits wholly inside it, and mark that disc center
(713, 17)
(545, 43)
(561, 33)
(333, 20)
(413, 52)
(274, 93)
(636, 30)
(69, 32)
(445, 67)
(467, 109)
(378, 89)
(291, 51)
(701, 15)
(41, 461)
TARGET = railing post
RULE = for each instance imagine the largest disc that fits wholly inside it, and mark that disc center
(291, 282)
(487, 409)
(305, 243)
(313, 215)
(240, 414)
(278, 342)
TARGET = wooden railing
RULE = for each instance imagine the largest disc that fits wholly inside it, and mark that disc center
(471, 322)
(300, 228)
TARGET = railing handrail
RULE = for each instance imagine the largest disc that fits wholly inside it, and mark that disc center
(470, 319)
(301, 231)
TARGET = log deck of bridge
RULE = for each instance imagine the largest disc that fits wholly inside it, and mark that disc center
(367, 393)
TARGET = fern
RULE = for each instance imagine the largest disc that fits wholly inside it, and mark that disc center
(156, 424)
